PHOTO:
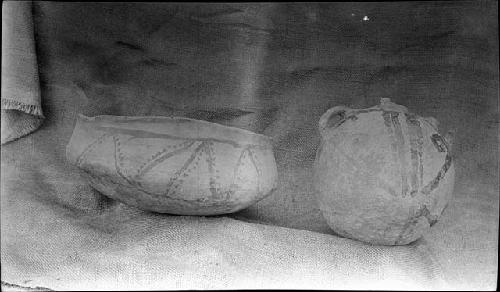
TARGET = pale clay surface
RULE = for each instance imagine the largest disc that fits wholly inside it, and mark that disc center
(359, 181)
(173, 165)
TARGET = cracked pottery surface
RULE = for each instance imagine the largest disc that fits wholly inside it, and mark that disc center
(383, 175)
(173, 165)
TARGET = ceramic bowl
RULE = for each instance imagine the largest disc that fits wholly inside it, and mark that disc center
(173, 165)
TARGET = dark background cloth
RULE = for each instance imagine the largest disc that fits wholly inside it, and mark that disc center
(274, 68)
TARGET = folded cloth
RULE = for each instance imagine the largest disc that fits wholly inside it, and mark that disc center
(21, 104)
(121, 248)
(58, 233)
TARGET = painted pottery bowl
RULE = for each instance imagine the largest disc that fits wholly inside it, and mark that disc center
(382, 175)
(172, 164)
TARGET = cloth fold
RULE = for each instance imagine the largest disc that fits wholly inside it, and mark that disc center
(272, 69)
(21, 102)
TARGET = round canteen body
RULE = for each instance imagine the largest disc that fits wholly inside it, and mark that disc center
(382, 175)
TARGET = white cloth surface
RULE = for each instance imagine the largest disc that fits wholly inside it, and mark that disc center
(20, 102)
(287, 63)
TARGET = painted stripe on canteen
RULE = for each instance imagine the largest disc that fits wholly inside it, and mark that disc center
(442, 172)
(400, 143)
(389, 125)
(416, 145)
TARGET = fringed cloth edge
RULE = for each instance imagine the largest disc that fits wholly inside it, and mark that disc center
(19, 119)
(9, 104)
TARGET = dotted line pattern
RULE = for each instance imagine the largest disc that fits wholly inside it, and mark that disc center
(90, 147)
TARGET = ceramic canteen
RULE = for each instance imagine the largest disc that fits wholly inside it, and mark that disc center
(382, 175)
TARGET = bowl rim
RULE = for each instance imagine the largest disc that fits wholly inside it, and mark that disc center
(222, 133)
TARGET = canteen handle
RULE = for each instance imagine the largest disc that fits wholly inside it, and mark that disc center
(325, 122)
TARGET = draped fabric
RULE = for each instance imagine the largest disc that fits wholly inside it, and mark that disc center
(21, 107)
(272, 68)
